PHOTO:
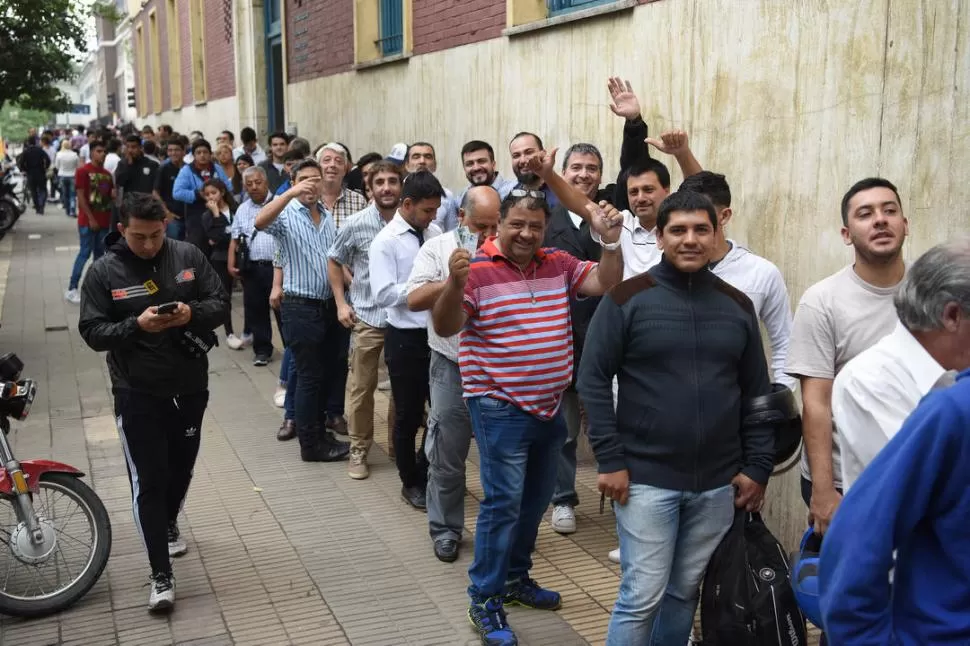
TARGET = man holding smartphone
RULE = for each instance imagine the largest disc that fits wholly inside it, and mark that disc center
(152, 303)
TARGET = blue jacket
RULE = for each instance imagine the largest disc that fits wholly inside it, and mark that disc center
(913, 498)
(189, 182)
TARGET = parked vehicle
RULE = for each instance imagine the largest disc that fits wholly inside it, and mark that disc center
(55, 534)
(11, 205)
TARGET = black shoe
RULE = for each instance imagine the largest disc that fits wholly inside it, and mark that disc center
(260, 360)
(325, 452)
(415, 497)
(446, 549)
(337, 424)
(287, 430)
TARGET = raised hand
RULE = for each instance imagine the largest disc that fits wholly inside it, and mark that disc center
(458, 266)
(625, 103)
(672, 142)
(605, 220)
(543, 163)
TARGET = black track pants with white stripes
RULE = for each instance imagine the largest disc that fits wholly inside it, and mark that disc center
(161, 437)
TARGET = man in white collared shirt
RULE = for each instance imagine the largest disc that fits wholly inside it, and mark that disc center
(406, 349)
(449, 427)
(877, 390)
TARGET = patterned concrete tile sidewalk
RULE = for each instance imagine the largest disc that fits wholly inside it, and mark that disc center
(281, 552)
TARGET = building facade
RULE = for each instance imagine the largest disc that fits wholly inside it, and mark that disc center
(793, 102)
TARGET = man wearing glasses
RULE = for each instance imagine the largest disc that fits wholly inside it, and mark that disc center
(511, 306)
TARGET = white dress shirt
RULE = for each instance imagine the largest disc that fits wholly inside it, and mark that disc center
(874, 394)
(639, 246)
(392, 256)
(431, 266)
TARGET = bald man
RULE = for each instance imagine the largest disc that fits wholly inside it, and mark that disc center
(449, 431)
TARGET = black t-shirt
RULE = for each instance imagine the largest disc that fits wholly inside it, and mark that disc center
(139, 177)
(164, 184)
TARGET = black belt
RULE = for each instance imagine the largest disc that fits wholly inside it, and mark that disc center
(302, 300)
(261, 263)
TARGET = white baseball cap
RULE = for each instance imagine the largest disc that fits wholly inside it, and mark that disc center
(398, 153)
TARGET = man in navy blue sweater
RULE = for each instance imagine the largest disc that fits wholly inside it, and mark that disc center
(914, 499)
(674, 455)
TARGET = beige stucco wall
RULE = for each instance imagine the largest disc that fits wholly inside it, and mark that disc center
(211, 118)
(793, 101)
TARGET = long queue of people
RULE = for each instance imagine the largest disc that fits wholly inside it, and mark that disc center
(510, 311)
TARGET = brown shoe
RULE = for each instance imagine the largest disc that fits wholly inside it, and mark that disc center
(337, 424)
(287, 430)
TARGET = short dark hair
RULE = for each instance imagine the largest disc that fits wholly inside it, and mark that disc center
(407, 155)
(713, 185)
(302, 164)
(647, 166)
(150, 147)
(114, 145)
(197, 132)
(248, 135)
(293, 155)
(200, 143)
(685, 201)
(385, 166)
(167, 128)
(525, 133)
(525, 201)
(477, 144)
(582, 149)
(133, 139)
(232, 137)
(369, 158)
(865, 185)
(421, 185)
(97, 143)
(278, 135)
(300, 144)
(141, 206)
(174, 141)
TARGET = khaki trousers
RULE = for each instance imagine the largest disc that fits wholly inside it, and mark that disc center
(366, 344)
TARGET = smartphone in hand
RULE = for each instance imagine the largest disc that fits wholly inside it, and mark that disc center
(167, 308)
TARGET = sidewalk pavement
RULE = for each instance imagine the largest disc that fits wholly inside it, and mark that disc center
(280, 551)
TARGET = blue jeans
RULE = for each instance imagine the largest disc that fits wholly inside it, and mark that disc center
(91, 242)
(518, 458)
(666, 541)
(175, 229)
(68, 196)
(319, 344)
(288, 372)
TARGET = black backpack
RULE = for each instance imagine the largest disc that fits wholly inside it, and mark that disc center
(747, 598)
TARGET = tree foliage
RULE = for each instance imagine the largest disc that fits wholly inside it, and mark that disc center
(16, 121)
(41, 42)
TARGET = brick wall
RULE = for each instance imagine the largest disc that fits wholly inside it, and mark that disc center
(443, 24)
(319, 38)
(220, 55)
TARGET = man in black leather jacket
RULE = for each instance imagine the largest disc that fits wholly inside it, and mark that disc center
(158, 366)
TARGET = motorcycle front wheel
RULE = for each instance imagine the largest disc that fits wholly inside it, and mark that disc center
(42, 578)
(8, 215)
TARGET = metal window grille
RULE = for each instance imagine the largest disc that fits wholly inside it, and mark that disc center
(392, 27)
(559, 7)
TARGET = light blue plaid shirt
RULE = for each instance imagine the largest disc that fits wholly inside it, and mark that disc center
(352, 249)
(303, 249)
(261, 246)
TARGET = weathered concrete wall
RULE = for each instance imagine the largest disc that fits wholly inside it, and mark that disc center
(211, 118)
(792, 101)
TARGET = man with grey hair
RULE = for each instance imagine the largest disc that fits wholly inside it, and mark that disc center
(257, 275)
(449, 427)
(341, 201)
(877, 390)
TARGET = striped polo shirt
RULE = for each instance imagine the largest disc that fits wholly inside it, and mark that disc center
(517, 344)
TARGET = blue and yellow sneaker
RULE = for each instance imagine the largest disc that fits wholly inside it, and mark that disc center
(488, 618)
(526, 592)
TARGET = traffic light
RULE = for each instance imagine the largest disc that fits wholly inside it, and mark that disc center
(112, 103)
(131, 97)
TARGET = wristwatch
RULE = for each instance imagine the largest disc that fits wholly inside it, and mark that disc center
(608, 246)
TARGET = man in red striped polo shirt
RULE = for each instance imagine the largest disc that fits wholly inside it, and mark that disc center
(511, 304)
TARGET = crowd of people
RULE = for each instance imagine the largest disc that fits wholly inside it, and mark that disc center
(519, 311)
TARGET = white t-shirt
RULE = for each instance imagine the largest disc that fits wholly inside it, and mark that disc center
(837, 318)
(66, 162)
(111, 162)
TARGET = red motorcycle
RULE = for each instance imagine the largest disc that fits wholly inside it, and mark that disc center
(55, 529)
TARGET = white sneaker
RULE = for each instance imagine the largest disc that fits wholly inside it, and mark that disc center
(247, 340)
(615, 555)
(72, 296)
(279, 397)
(176, 544)
(564, 519)
(162, 596)
(234, 342)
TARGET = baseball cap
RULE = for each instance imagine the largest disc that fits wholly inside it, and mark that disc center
(398, 153)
